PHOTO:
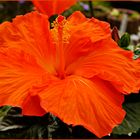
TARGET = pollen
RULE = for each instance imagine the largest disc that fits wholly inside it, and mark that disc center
(61, 29)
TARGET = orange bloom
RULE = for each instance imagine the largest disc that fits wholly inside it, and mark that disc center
(52, 7)
(75, 70)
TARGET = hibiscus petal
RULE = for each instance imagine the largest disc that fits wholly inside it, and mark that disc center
(31, 106)
(52, 7)
(94, 104)
(77, 18)
(137, 62)
(19, 73)
(31, 34)
(83, 33)
(109, 62)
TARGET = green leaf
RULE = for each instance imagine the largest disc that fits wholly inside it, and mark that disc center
(137, 52)
(14, 125)
(124, 41)
(131, 123)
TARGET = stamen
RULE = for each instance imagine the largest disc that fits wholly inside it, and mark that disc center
(61, 22)
(60, 34)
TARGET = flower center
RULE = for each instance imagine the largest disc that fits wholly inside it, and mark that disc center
(60, 36)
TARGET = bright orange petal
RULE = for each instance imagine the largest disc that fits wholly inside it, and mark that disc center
(17, 76)
(137, 63)
(31, 34)
(31, 106)
(19, 73)
(83, 33)
(95, 104)
(52, 7)
(109, 62)
(27, 61)
(77, 18)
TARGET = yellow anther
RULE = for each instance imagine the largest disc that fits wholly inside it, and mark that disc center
(61, 29)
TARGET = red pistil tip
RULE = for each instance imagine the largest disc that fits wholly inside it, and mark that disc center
(60, 19)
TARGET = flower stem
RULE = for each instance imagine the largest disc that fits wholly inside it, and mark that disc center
(91, 8)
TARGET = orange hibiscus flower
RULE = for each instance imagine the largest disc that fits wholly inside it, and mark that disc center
(75, 70)
(52, 7)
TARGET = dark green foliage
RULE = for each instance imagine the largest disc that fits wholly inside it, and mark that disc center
(137, 52)
(131, 123)
(14, 125)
